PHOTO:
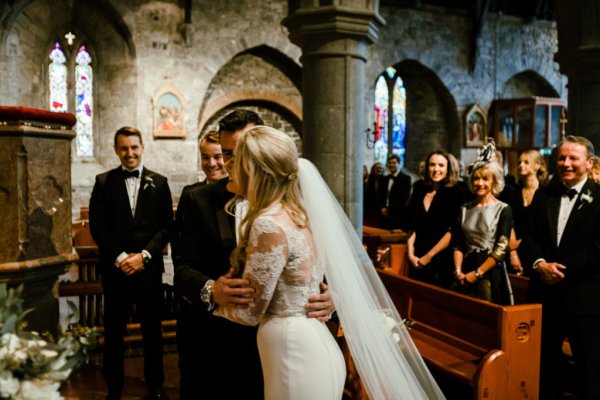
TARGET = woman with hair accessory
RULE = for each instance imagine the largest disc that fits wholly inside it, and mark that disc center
(434, 207)
(293, 234)
(481, 238)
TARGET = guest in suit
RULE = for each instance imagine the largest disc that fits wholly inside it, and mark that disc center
(433, 208)
(372, 196)
(212, 349)
(562, 248)
(130, 218)
(396, 191)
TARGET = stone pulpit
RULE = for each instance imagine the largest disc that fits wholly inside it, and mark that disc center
(35, 207)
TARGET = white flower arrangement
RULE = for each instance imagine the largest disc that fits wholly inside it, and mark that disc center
(32, 367)
(148, 182)
(586, 198)
(393, 325)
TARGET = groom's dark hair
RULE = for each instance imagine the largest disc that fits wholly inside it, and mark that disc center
(238, 119)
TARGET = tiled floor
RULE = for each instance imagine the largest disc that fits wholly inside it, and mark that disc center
(87, 383)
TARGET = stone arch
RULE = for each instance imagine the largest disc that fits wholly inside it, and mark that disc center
(431, 119)
(526, 84)
(260, 76)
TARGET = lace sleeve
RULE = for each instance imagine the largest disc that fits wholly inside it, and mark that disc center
(266, 256)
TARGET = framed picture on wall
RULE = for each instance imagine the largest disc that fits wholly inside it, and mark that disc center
(168, 112)
(475, 127)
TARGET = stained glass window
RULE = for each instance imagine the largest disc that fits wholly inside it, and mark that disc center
(84, 104)
(60, 70)
(57, 80)
(390, 83)
(381, 114)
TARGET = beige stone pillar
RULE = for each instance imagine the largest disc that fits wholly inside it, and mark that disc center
(334, 40)
(35, 207)
(578, 23)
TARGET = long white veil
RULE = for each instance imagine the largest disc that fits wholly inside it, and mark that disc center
(386, 358)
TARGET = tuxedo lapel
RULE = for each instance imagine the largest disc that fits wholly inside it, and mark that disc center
(121, 191)
(552, 211)
(579, 211)
(143, 190)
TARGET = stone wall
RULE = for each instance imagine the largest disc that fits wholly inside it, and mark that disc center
(236, 53)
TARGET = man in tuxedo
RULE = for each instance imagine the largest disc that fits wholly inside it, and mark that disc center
(130, 219)
(562, 248)
(217, 358)
(396, 191)
(211, 158)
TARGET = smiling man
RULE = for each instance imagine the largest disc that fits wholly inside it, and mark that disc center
(562, 249)
(130, 219)
(211, 157)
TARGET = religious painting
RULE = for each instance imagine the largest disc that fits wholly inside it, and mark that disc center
(475, 125)
(167, 111)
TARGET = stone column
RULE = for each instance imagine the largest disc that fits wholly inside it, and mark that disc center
(334, 41)
(35, 193)
(578, 55)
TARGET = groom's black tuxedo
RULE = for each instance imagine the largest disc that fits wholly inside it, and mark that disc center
(571, 308)
(117, 231)
(217, 358)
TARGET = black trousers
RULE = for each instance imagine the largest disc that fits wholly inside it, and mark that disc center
(122, 294)
(218, 359)
(583, 332)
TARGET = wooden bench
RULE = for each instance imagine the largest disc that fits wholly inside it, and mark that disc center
(493, 350)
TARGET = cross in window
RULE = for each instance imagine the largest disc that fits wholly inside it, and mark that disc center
(69, 36)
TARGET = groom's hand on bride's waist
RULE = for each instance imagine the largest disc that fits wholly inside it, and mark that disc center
(320, 306)
(228, 291)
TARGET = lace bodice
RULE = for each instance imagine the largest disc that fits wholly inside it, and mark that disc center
(281, 266)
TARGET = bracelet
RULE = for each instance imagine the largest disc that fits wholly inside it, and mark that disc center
(457, 272)
(478, 274)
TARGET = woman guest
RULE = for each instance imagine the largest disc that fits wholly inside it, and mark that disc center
(594, 173)
(293, 234)
(435, 204)
(532, 175)
(481, 239)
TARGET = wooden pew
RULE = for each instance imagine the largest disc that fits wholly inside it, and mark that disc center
(494, 350)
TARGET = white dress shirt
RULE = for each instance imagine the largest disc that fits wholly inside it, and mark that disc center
(566, 206)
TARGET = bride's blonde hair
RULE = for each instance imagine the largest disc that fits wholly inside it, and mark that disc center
(265, 168)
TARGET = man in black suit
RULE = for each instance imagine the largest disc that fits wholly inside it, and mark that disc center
(396, 191)
(130, 218)
(562, 247)
(218, 359)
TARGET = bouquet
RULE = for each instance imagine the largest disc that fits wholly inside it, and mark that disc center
(33, 365)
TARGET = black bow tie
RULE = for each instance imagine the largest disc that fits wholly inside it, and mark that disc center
(570, 193)
(129, 174)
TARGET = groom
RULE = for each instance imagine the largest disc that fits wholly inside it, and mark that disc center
(563, 248)
(217, 358)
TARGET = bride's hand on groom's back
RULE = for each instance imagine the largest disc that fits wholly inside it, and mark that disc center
(228, 291)
(320, 306)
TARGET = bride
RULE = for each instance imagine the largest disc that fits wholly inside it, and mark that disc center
(293, 234)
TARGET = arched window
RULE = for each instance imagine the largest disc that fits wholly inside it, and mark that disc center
(79, 69)
(390, 126)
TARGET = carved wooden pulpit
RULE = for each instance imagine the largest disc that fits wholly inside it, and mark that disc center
(35, 207)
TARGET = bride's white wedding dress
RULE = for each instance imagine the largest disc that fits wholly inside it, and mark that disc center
(300, 358)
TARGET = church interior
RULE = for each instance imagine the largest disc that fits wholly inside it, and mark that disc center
(351, 81)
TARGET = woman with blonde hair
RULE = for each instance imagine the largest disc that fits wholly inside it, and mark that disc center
(482, 235)
(293, 234)
(532, 174)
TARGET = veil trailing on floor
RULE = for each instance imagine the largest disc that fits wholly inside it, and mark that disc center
(386, 358)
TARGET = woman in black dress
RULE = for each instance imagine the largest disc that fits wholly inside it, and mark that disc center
(433, 207)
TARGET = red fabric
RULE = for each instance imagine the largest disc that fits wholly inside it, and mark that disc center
(8, 113)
